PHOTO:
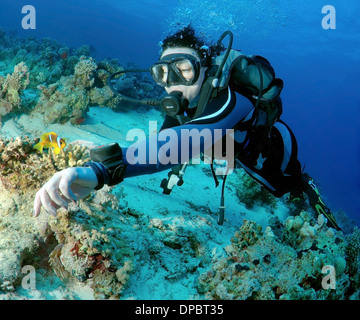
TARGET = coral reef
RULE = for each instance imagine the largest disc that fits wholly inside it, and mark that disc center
(64, 82)
(250, 192)
(186, 250)
(19, 237)
(70, 97)
(89, 249)
(84, 247)
(22, 166)
(352, 255)
(261, 266)
(102, 243)
(11, 88)
(47, 58)
(84, 71)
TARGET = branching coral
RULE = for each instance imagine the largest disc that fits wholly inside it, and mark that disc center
(11, 87)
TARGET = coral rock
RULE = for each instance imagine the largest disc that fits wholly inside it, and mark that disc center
(263, 267)
(11, 87)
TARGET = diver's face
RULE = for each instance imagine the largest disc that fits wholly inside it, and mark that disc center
(189, 92)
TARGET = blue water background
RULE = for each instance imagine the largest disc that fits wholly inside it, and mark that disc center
(320, 68)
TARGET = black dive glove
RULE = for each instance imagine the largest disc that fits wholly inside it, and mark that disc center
(257, 142)
(107, 164)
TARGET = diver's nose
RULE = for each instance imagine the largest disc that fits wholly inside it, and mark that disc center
(171, 78)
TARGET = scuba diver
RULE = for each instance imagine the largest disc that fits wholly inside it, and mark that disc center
(208, 87)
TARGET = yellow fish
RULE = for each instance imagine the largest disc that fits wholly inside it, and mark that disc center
(51, 140)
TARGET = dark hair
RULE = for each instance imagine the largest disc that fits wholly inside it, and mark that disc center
(186, 37)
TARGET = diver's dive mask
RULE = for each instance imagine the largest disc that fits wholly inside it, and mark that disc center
(176, 69)
(172, 70)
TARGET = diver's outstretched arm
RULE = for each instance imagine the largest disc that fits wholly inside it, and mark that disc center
(64, 187)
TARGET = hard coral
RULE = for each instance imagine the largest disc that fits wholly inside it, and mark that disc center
(60, 101)
(353, 251)
(84, 71)
(21, 166)
(11, 87)
(89, 251)
(260, 266)
(71, 96)
(87, 247)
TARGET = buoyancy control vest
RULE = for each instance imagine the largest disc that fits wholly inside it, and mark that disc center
(251, 76)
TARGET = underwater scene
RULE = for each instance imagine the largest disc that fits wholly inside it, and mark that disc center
(273, 216)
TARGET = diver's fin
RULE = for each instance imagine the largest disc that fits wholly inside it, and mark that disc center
(317, 203)
(322, 209)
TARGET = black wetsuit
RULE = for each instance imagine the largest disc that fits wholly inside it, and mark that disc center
(279, 173)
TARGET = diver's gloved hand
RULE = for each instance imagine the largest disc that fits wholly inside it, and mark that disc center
(258, 142)
(63, 188)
